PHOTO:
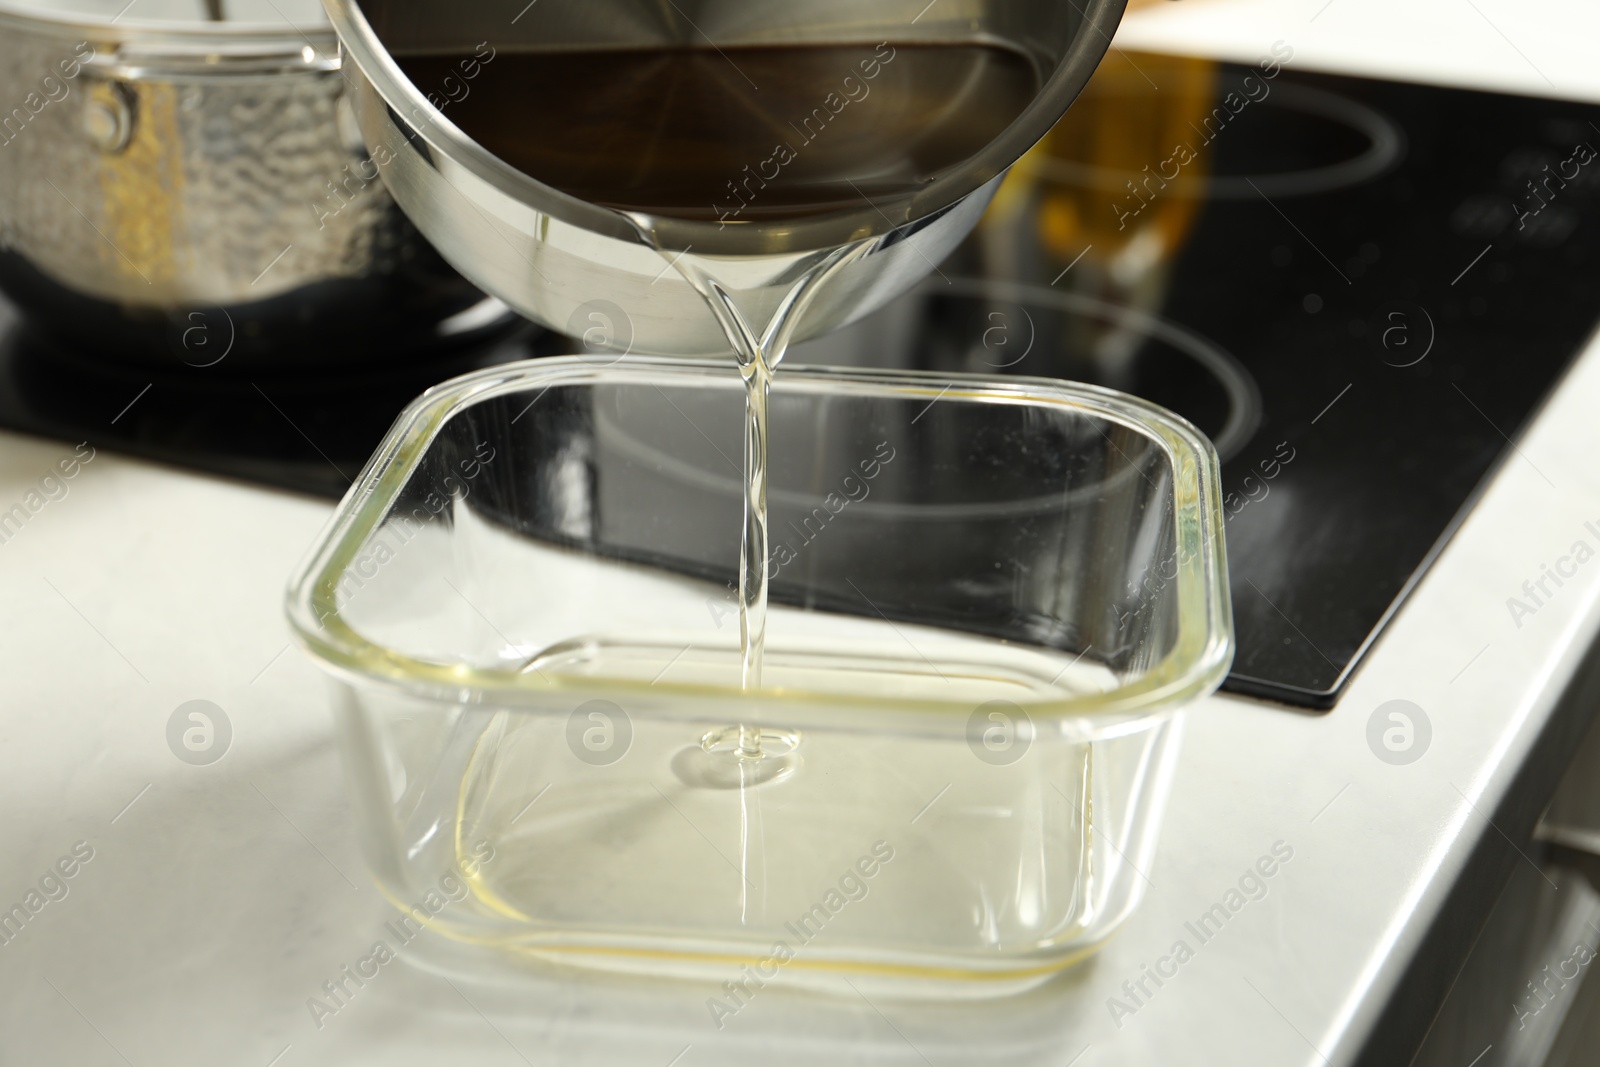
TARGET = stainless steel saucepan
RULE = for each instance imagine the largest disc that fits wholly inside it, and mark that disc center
(551, 256)
(176, 183)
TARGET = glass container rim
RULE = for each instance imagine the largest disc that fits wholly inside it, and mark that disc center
(1192, 668)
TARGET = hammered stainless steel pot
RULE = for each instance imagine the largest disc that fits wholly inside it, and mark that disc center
(560, 260)
(184, 190)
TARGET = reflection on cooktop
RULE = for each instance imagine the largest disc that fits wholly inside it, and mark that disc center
(309, 431)
(990, 326)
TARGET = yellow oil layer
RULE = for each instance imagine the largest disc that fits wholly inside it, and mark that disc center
(1002, 876)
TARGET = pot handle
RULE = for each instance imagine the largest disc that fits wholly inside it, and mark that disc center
(176, 60)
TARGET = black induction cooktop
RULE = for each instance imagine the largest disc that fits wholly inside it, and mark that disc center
(1402, 331)
(1362, 290)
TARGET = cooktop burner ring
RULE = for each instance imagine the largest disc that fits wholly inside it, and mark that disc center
(1386, 145)
(1244, 396)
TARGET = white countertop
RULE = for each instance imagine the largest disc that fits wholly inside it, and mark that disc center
(220, 897)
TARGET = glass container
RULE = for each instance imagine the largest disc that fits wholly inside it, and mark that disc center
(989, 601)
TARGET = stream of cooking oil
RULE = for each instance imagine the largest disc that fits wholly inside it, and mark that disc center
(758, 355)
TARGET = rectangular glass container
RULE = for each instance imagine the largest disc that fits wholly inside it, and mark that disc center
(989, 599)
